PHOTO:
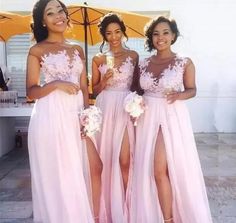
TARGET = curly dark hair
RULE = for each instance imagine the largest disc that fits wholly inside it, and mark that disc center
(40, 32)
(149, 28)
(105, 21)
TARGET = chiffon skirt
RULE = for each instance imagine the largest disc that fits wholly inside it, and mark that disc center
(190, 203)
(109, 141)
(58, 161)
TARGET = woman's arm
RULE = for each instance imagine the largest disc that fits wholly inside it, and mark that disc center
(189, 85)
(135, 86)
(99, 83)
(83, 79)
(33, 88)
(189, 81)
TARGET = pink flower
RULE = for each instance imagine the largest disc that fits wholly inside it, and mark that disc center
(91, 120)
(84, 120)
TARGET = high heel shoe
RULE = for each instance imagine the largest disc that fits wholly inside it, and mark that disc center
(168, 220)
(96, 219)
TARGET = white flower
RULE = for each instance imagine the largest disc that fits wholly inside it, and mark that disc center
(91, 120)
(134, 105)
(59, 66)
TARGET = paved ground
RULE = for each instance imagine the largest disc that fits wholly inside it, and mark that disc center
(218, 158)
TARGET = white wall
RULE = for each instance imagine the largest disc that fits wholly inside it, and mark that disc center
(208, 37)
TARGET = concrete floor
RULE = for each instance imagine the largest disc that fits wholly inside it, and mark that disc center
(218, 158)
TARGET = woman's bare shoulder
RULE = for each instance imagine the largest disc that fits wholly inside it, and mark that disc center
(99, 58)
(37, 50)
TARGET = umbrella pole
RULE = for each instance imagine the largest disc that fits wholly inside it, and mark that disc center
(91, 97)
(86, 38)
(5, 53)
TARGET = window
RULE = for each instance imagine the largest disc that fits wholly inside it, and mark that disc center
(17, 49)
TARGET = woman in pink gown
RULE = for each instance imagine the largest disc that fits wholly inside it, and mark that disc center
(65, 168)
(168, 184)
(116, 139)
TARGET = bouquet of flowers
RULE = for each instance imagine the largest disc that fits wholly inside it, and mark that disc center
(134, 105)
(91, 120)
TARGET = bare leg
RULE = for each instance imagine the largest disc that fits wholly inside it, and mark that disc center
(125, 159)
(95, 164)
(162, 178)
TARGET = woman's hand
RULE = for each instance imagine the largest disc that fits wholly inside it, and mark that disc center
(108, 74)
(82, 133)
(172, 97)
(133, 120)
(68, 87)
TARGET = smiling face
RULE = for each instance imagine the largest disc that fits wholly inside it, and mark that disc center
(55, 17)
(162, 36)
(114, 34)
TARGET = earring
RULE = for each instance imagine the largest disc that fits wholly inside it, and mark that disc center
(44, 25)
(106, 46)
(124, 39)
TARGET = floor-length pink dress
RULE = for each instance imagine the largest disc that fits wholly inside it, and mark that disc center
(190, 203)
(58, 156)
(109, 140)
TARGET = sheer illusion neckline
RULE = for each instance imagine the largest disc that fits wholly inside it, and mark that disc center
(117, 67)
(64, 44)
(169, 66)
(63, 53)
(168, 60)
(119, 54)
(127, 60)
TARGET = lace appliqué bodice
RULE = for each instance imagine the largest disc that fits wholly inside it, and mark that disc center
(59, 66)
(170, 79)
(122, 77)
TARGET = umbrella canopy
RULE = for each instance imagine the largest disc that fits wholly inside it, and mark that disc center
(12, 24)
(84, 17)
(84, 20)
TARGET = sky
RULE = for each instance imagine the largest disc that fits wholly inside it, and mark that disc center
(140, 5)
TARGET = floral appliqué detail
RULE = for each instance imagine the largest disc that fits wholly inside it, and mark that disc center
(170, 78)
(122, 77)
(59, 66)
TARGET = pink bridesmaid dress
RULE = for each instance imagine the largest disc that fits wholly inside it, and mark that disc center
(190, 203)
(58, 158)
(109, 140)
